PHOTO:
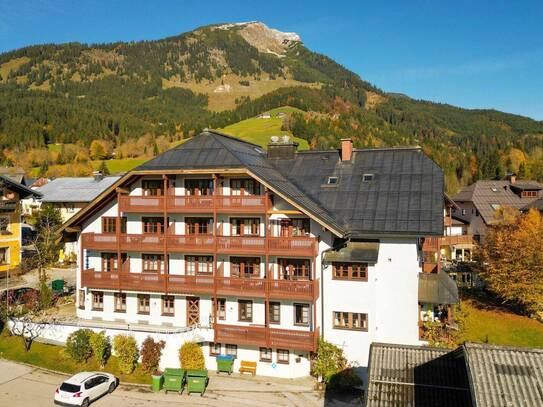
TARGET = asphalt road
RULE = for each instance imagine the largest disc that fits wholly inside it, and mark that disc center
(21, 385)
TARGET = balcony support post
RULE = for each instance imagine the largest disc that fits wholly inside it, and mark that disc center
(165, 231)
(215, 226)
(118, 240)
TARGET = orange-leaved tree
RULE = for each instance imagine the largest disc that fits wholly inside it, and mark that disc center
(511, 259)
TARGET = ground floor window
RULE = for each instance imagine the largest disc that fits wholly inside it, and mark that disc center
(97, 300)
(230, 349)
(350, 320)
(265, 354)
(144, 306)
(282, 356)
(4, 255)
(168, 305)
(214, 348)
(81, 299)
(120, 302)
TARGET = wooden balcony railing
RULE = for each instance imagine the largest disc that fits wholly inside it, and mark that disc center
(454, 240)
(268, 337)
(193, 203)
(200, 284)
(282, 246)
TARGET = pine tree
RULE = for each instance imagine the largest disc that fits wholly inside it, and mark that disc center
(103, 168)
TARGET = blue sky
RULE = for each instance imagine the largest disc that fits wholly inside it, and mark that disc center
(468, 53)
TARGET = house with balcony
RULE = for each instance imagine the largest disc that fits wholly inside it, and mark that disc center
(11, 193)
(267, 250)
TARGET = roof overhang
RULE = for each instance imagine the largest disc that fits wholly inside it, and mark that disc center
(354, 252)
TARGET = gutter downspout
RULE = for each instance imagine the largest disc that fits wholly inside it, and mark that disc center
(322, 288)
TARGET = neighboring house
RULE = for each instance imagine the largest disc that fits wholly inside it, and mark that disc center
(477, 375)
(537, 204)
(478, 203)
(11, 192)
(270, 251)
(70, 195)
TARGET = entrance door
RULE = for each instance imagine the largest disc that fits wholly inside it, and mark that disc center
(193, 311)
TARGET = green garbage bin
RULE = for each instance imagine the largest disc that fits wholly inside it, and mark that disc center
(225, 363)
(197, 381)
(174, 380)
(157, 382)
(57, 286)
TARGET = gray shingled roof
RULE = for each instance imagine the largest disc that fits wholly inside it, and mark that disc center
(403, 375)
(484, 194)
(75, 189)
(404, 198)
(537, 204)
(505, 376)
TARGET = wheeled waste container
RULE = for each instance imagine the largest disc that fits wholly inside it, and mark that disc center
(225, 363)
(57, 286)
(197, 381)
(157, 382)
(174, 379)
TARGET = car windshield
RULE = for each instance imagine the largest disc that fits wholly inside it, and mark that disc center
(70, 388)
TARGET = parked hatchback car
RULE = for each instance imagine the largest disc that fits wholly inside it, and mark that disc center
(84, 387)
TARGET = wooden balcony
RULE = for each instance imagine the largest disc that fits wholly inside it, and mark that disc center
(457, 240)
(302, 246)
(200, 284)
(193, 203)
(266, 337)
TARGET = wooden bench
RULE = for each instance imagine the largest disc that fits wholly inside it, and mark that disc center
(247, 367)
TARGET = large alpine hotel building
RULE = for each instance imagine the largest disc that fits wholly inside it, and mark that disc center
(267, 250)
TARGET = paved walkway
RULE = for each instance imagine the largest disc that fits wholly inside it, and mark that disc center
(26, 386)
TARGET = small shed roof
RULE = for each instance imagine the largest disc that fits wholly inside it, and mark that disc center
(437, 288)
(354, 252)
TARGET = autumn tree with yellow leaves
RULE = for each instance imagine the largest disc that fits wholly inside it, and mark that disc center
(511, 260)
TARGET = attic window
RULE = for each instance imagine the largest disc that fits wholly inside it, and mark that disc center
(495, 206)
(332, 180)
(494, 189)
(367, 177)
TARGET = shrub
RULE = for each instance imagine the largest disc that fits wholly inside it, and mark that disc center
(329, 361)
(46, 296)
(78, 345)
(191, 356)
(101, 347)
(345, 380)
(126, 350)
(151, 352)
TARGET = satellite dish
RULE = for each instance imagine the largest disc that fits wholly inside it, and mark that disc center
(274, 139)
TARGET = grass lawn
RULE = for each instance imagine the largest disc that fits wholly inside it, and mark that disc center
(493, 325)
(259, 131)
(53, 357)
(117, 166)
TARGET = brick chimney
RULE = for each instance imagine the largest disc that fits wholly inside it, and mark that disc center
(512, 177)
(346, 149)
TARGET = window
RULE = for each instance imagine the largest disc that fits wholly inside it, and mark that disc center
(109, 224)
(214, 348)
(245, 310)
(294, 227)
(350, 271)
(199, 226)
(110, 261)
(4, 255)
(246, 186)
(245, 226)
(152, 187)
(197, 265)
(4, 225)
(275, 312)
(463, 212)
(301, 314)
(332, 180)
(282, 356)
(97, 300)
(199, 186)
(265, 354)
(153, 224)
(152, 263)
(245, 267)
(529, 194)
(144, 306)
(81, 299)
(495, 206)
(119, 302)
(168, 305)
(294, 269)
(221, 308)
(231, 350)
(367, 177)
(350, 320)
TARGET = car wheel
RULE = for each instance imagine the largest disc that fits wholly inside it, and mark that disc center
(112, 387)
(85, 403)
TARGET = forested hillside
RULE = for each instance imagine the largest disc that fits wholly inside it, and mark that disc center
(126, 96)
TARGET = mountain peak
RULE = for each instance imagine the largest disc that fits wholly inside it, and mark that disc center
(262, 37)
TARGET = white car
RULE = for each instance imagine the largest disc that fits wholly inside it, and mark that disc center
(84, 387)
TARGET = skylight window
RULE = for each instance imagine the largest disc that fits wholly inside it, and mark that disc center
(495, 206)
(332, 180)
(367, 177)
(494, 189)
